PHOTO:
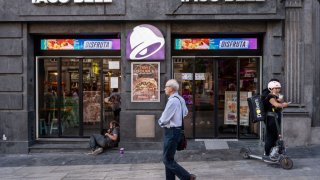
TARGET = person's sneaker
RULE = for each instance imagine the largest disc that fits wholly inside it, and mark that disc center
(97, 151)
(90, 153)
(193, 177)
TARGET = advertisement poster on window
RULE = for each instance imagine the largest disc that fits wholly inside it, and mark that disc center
(145, 82)
(80, 44)
(216, 44)
(230, 110)
(91, 106)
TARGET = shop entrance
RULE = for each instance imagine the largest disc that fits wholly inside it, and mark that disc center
(211, 87)
(72, 94)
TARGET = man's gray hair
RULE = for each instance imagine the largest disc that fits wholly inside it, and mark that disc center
(173, 83)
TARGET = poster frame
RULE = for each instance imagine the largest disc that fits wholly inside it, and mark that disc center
(230, 109)
(156, 77)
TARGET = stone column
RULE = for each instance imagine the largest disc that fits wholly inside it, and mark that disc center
(13, 80)
(298, 73)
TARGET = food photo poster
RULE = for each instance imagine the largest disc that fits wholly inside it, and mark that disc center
(145, 82)
(230, 116)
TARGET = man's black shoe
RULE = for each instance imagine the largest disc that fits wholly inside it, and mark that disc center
(193, 177)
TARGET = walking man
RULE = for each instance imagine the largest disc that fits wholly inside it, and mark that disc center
(171, 121)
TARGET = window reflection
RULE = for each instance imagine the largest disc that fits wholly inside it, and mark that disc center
(59, 95)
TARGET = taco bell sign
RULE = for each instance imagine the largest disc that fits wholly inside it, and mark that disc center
(67, 1)
(145, 42)
(202, 1)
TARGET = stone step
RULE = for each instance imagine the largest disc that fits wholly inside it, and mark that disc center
(82, 145)
(62, 140)
(60, 145)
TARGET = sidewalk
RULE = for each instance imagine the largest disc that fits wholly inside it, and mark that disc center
(147, 164)
(306, 169)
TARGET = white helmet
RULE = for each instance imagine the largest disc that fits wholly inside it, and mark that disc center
(273, 84)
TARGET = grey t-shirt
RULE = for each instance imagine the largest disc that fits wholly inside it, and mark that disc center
(116, 131)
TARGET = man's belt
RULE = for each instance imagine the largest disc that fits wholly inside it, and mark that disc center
(179, 127)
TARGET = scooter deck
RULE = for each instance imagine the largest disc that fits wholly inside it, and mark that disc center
(255, 156)
(260, 158)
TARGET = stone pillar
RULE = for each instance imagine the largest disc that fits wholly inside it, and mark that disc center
(315, 44)
(13, 89)
(298, 73)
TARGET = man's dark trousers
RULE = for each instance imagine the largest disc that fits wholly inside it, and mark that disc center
(171, 139)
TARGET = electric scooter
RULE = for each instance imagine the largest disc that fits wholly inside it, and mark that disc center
(278, 152)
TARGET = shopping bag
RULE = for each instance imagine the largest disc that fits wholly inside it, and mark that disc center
(182, 144)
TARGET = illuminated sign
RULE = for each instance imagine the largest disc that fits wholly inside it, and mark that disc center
(202, 1)
(80, 44)
(216, 44)
(145, 42)
(67, 1)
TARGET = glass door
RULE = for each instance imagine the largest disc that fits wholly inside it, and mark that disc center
(70, 80)
(216, 91)
(227, 97)
(249, 86)
(204, 97)
(183, 73)
(48, 105)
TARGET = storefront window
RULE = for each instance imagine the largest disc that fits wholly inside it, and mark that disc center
(211, 87)
(91, 95)
(204, 97)
(73, 95)
(48, 97)
(249, 75)
(70, 97)
(183, 68)
(227, 97)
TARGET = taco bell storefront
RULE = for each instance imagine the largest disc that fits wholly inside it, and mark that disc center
(67, 57)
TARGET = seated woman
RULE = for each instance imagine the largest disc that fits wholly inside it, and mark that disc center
(110, 139)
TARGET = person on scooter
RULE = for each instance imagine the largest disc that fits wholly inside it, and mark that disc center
(266, 92)
(273, 107)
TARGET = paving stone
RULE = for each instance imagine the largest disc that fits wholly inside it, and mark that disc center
(147, 164)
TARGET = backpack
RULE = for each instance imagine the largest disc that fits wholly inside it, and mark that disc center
(265, 93)
(256, 109)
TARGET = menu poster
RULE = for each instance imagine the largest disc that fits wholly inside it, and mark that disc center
(230, 116)
(189, 76)
(114, 82)
(114, 65)
(145, 82)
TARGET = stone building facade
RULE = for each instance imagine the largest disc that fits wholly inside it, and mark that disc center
(287, 30)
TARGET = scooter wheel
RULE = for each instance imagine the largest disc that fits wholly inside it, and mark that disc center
(286, 163)
(245, 153)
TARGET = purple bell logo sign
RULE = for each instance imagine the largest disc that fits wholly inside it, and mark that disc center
(145, 42)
